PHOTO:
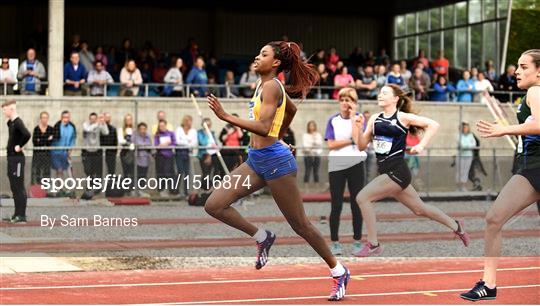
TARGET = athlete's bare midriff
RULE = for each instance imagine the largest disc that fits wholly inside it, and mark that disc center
(259, 142)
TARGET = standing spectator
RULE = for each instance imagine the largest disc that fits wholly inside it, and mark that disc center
(476, 165)
(65, 135)
(441, 64)
(312, 143)
(93, 129)
(405, 73)
(160, 115)
(421, 58)
(127, 155)
(98, 78)
(395, 77)
(413, 161)
(17, 138)
(249, 81)
(31, 73)
(507, 82)
(186, 137)
(197, 76)
(231, 136)
(142, 139)
(466, 144)
(341, 80)
(99, 55)
(344, 167)
(7, 78)
(164, 157)
(74, 76)
(175, 80)
(441, 90)
(42, 137)
(465, 88)
(491, 73)
(482, 85)
(74, 46)
(207, 154)
(324, 80)
(110, 140)
(190, 53)
(131, 78)
(367, 84)
(233, 91)
(420, 83)
(87, 57)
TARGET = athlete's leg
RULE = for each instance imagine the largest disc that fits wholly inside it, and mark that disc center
(380, 187)
(516, 195)
(219, 202)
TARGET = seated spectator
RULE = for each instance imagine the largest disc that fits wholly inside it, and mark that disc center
(482, 85)
(175, 80)
(131, 78)
(395, 77)
(507, 82)
(421, 58)
(197, 76)
(441, 90)
(99, 55)
(87, 57)
(233, 90)
(420, 83)
(331, 60)
(31, 73)
(491, 73)
(212, 68)
(380, 72)
(367, 84)
(146, 72)
(474, 73)
(357, 57)
(325, 81)
(370, 58)
(159, 72)
(213, 88)
(405, 73)
(441, 64)
(341, 80)
(7, 78)
(74, 76)
(98, 78)
(382, 58)
(465, 88)
(249, 81)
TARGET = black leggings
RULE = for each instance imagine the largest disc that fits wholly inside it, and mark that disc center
(354, 177)
(312, 164)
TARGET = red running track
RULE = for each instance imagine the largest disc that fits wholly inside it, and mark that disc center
(432, 281)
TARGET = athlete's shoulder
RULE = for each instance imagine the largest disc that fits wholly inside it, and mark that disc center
(533, 95)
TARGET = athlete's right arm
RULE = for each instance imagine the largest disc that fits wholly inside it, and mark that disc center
(364, 136)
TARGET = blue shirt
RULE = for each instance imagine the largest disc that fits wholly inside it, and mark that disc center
(67, 137)
(463, 86)
(197, 76)
(74, 75)
(440, 94)
(398, 80)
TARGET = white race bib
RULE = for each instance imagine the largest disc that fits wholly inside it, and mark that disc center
(382, 144)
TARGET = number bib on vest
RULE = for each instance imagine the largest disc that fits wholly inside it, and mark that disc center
(382, 144)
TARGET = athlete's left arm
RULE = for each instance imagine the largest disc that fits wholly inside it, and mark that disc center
(290, 111)
(530, 127)
(430, 127)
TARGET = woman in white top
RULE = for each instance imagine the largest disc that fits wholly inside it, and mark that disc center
(131, 78)
(186, 139)
(175, 79)
(345, 165)
(312, 143)
(482, 85)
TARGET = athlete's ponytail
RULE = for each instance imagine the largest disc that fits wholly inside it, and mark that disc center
(404, 104)
(301, 74)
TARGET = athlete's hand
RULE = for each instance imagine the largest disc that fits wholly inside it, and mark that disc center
(360, 122)
(418, 149)
(216, 107)
(18, 148)
(488, 129)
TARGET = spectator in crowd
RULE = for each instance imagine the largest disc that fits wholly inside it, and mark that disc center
(111, 60)
(74, 46)
(413, 161)
(312, 143)
(289, 139)
(126, 52)
(420, 83)
(31, 73)
(474, 74)
(212, 88)
(110, 140)
(319, 58)
(491, 73)
(344, 167)
(7, 78)
(190, 53)
(100, 55)
(175, 79)
(65, 135)
(382, 58)
(421, 58)
(146, 72)
(357, 57)
(442, 90)
(142, 139)
(131, 78)
(367, 84)
(233, 91)
(331, 60)
(440, 64)
(466, 144)
(482, 85)
(395, 77)
(342, 79)
(87, 57)
(42, 137)
(197, 76)
(249, 81)
(159, 72)
(127, 155)
(324, 80)
(149, 54)
(98, 78)
(370, 59)
(210, 166)
(507, 82)
(74, 76)
(465, 88)
(164, 157)
(426, 71)
(231, 136)
(161, 115)
(212, 68)
(93, 129)
(405, 73)
(186, 138)
(380, 73)
(477, 167)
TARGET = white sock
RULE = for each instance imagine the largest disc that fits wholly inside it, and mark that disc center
(490, 286)
(338, 270)
(260, 235)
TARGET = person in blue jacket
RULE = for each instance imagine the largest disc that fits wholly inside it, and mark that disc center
(465, 88)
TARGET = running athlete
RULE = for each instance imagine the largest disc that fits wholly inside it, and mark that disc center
(523, 188)
(388, 131)
(270, 161)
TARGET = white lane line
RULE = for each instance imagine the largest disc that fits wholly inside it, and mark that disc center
(325, 296)
(261, 280)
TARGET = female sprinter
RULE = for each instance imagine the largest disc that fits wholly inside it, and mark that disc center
(270, 162)
(388, 132)
(523, 188)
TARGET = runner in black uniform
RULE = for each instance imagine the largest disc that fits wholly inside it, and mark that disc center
(388, 131)
(523, 188)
